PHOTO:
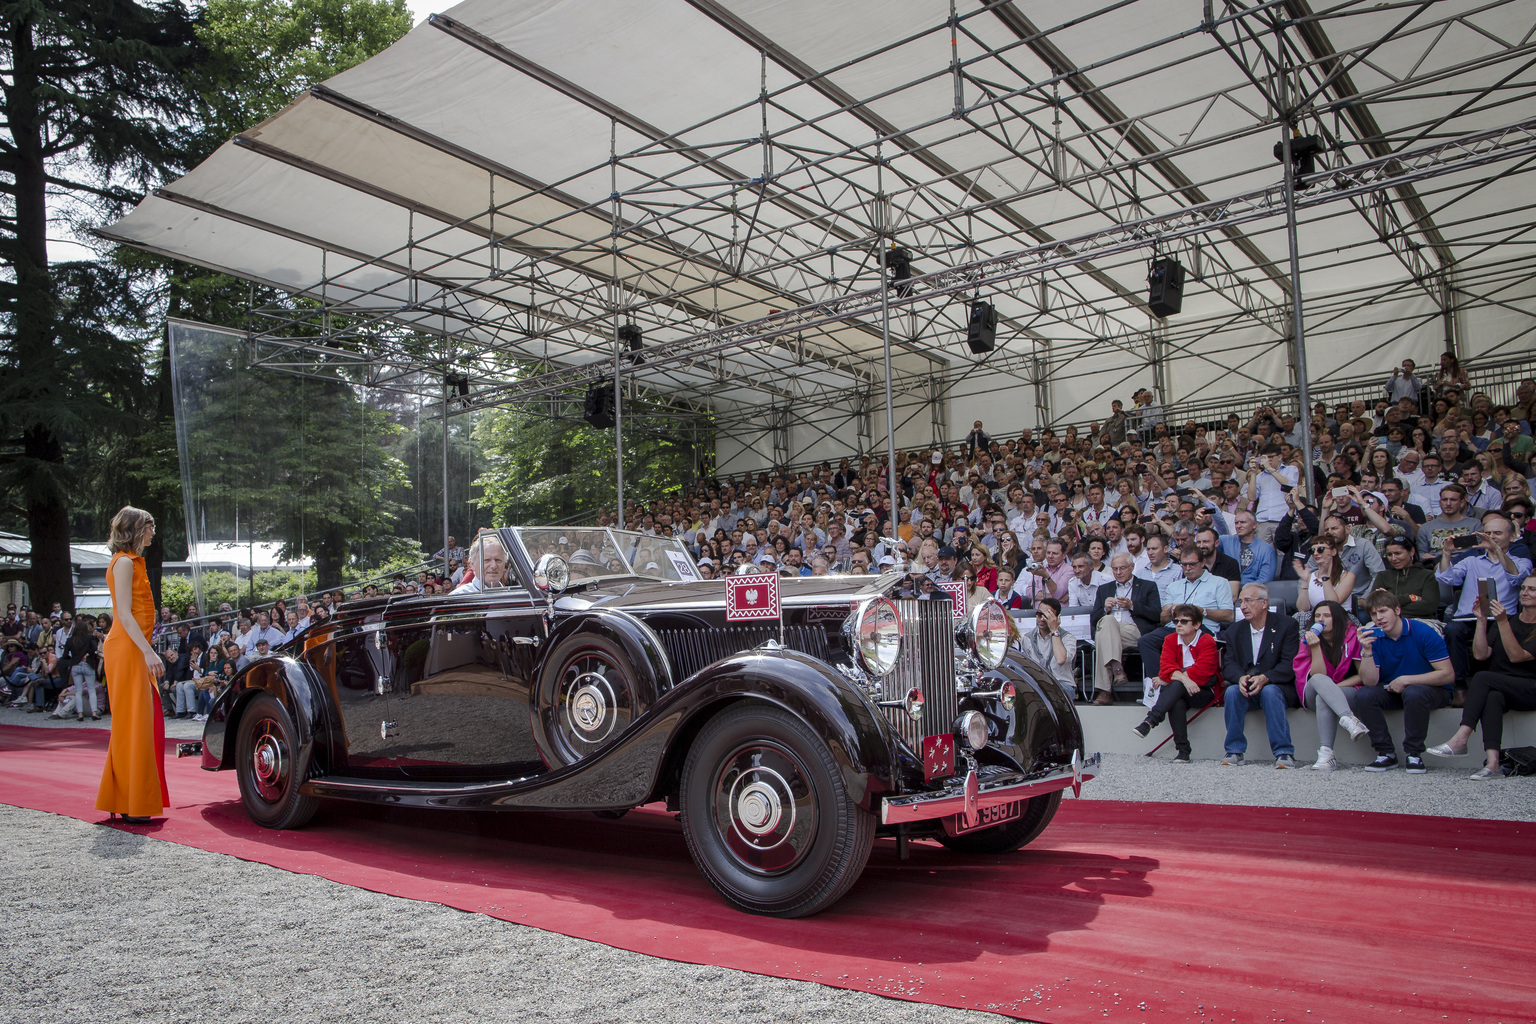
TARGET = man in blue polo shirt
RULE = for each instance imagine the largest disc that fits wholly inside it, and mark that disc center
(1404, 664)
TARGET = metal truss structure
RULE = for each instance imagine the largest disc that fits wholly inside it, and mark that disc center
(496, 194)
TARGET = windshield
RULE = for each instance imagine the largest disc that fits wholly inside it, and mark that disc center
(599, 552)
(664, 558)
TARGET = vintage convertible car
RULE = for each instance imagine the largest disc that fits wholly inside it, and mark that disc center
(598, 672)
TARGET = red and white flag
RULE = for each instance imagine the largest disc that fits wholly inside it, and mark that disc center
(752, 597)
(957, 595)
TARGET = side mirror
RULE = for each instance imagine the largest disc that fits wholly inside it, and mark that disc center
(551, 575)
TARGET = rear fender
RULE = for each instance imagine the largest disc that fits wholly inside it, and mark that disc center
(288, 681)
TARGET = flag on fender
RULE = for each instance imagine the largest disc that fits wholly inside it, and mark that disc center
(752, 597)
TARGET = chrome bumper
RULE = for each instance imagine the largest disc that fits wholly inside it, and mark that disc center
(972, 795)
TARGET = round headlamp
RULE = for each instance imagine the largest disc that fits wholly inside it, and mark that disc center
(972, 728)
(877, 634)
(991, 630)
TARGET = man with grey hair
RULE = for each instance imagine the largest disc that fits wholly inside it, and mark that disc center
(1124, 608)
(489, 561)
(1260, 672)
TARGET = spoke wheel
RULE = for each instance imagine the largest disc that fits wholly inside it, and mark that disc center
(266, 765)
(1012, 835)
(767, 816)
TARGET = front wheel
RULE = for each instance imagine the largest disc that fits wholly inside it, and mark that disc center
(266, 765)
(1011, 835)
(767, 816)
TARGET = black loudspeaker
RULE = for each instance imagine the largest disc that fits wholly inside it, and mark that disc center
(457, 383)
(629, 334)
(981, 330)
(1165, 287)
(598, 410)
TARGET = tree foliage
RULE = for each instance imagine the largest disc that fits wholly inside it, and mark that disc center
(542, 469)
(96, 107)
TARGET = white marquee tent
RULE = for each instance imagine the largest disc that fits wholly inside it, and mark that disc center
(514, 180)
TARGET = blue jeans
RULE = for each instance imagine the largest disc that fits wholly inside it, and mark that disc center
(1271, 698)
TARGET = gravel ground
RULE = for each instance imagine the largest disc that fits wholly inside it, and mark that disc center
(384, 958)
(285, 947)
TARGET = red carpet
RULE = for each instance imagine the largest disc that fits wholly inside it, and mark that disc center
(1122, 912)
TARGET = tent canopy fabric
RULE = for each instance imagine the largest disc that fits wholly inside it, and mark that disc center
(516, 179)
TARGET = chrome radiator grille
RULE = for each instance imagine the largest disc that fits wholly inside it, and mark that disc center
(690, 650)
(927, 662)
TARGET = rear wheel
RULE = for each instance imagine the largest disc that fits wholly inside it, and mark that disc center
(1011, 835)
(266, 765)
(767, 816)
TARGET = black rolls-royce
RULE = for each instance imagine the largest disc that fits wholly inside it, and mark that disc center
(595, 670)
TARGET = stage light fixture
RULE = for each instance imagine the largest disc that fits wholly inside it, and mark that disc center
(899, 262)
(1304, 150)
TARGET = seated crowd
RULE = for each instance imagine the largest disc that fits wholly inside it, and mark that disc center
(1426, 489)
(1164, 537)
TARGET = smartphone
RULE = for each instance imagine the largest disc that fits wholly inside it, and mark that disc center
(1485, 587)
(1464, 542)
(1340, 492)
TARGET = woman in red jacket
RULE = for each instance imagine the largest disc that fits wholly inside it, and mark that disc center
(1189, 676)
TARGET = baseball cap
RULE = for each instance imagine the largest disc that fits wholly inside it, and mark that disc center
(706, 561)
(946, 552)
(887, 560)
(938, 457)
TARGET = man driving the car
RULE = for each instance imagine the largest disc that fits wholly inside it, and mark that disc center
(489, 560)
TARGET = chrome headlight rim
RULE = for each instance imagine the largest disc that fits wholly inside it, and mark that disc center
(989, 648)
(877, 658)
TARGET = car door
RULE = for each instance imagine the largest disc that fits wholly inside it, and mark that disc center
(459, 686)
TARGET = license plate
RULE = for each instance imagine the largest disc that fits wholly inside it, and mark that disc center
(987, 817)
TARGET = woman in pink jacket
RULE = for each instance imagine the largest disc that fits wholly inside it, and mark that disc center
(1327, 662)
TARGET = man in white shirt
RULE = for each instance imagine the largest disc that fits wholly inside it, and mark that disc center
(1427, 490)
(1083, 587)
(1267, 489)
(263, 630)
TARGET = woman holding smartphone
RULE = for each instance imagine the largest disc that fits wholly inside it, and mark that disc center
(1330, 581)
(1509, 684)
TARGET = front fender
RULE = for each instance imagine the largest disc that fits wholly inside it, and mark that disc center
(287, 680)
(858, 738)
(1042, 730)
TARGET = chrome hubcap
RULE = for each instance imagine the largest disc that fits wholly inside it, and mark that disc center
(269, 763)
(765, 809)
(591, 705)
(759, 808)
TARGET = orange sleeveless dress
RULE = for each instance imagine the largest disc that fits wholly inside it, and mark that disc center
(133, 781)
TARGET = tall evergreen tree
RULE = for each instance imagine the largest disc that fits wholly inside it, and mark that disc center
(95, 109)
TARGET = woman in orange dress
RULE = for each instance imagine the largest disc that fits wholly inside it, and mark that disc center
(133, 781)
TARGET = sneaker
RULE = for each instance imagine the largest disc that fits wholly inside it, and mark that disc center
(1444, 750)
(1416, 765)
(1324, 764)
(1354, 725)
(1181, 759)
(1383, 763)
(1284, 761)
(1485, 773)
(1142, 729)
(1232, 760)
